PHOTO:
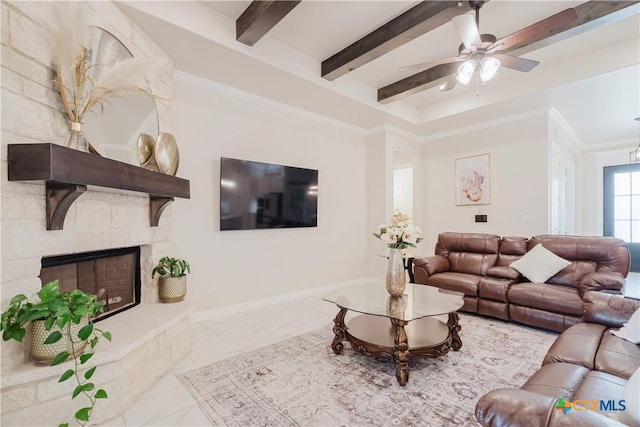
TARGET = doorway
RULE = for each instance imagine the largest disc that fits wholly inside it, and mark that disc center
(621, 201)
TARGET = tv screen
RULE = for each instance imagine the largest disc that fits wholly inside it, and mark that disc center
(256, 195)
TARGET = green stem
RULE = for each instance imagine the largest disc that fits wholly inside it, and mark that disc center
(78, 380)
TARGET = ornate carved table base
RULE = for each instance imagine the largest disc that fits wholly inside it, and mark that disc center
(398, 339)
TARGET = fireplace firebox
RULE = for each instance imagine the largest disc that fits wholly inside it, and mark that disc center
(113, 275)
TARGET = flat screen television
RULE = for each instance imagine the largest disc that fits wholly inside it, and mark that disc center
(256, 195)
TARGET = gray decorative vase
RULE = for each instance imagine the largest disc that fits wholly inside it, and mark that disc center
(172, 289)
(396, 279)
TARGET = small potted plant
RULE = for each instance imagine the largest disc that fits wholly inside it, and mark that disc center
(61, 327)
(172, 284)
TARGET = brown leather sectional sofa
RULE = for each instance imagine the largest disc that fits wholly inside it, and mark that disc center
(586, 363)
(477, 264)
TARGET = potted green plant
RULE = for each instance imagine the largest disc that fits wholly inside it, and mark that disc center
(61, 327)
(172, 284)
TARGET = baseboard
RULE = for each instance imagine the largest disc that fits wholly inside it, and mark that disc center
(251, 305)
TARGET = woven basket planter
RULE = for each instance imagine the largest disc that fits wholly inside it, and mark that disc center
(172, 289)
(43, 354)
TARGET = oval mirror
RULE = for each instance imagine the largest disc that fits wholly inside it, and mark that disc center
(114, 131)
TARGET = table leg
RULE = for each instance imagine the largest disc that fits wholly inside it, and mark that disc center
(454, 327)
(339, 329)
(401, 351)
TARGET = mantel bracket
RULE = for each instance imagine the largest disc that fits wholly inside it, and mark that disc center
(60, 197)
(157, 205)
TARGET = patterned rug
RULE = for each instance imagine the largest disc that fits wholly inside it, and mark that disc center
(300, 382)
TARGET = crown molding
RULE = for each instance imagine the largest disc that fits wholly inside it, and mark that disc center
(394, 130)
(491, 123)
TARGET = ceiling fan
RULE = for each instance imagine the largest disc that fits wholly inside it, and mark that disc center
(481, 52)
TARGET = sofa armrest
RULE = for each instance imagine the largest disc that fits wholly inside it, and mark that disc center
(513, 407)
(427, 266)
(503, 272)
(607, 309)
(601, 281)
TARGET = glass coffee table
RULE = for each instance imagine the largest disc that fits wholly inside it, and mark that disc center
(397, 327)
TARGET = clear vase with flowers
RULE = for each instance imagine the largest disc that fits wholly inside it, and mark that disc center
(398, 235)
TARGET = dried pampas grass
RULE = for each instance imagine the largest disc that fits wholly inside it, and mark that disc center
(88, 76)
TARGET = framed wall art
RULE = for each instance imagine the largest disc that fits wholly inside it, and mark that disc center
(473, 180)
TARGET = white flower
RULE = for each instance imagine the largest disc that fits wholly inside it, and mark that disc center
(410, 237)
(390, 238)
(399, 233)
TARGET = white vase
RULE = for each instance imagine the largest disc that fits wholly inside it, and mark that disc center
(396, 279)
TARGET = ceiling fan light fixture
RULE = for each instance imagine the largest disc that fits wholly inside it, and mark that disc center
(488, 68)
(465, 71)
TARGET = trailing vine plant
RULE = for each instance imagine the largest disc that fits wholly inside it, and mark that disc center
(60, 311)
(85, 386)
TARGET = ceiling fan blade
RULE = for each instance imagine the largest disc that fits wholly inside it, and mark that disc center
(538, 31)
(449, 84)
(515, 62)
(467, 29)
(430, 64)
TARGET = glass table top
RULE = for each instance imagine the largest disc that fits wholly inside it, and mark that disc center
(417, 301)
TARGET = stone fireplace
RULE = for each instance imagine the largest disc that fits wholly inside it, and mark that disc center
(148, 337)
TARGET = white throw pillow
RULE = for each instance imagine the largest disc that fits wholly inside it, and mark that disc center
(539, 264)
(631, 395)
(630, 331)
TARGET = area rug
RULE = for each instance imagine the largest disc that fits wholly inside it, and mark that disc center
(301, 382)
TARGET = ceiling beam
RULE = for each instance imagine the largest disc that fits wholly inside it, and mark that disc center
(594, 13)
(259, 17)
(416, 83)
(420, 19)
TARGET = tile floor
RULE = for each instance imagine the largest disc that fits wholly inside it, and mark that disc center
(169, 403)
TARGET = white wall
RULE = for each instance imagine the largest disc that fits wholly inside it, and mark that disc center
(231, 267)
(565, 170)
(519, 180)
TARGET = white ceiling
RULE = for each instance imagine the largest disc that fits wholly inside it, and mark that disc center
(592, 79)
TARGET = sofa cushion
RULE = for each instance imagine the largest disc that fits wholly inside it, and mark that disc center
(511, 249)
(600, 386)
(557, 380)
(539, 264)
(617, 356)
(578, 345)
(503, 272)
(630, 331)
(556, 299)
(493, 289)
(460, 282)
(472, 253)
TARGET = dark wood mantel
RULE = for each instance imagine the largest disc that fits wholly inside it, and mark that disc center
(67, 172)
